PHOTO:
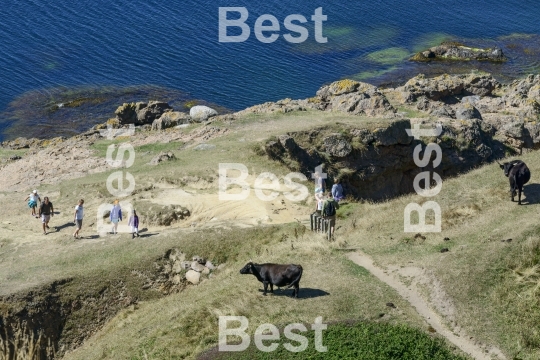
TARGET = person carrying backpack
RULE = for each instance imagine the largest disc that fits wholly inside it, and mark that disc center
(329, 212)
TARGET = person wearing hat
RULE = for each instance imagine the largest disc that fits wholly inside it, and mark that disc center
(32, 199)
(337, 190)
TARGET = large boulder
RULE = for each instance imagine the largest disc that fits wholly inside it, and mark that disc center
(151, 112)
(466, 111)
(193, 277)
(196, 266)
(337, 145)
(343, 87)
(141, 113)
(201, 113)
(170, 119)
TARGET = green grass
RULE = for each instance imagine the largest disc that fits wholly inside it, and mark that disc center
(185, 324)
(5, 154)
(493, 285)
(359, 340)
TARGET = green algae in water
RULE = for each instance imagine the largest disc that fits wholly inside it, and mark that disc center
(62, 111)
(516, 36)
(341, 39)
(370, 74)
(390, 56)
(50, 65)
(337, 31)
(426, 41)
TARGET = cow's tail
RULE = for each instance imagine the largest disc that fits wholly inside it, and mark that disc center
(297, 280)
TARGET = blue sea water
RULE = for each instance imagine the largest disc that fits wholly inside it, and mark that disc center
(51, 44)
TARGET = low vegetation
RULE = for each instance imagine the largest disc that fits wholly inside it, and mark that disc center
(492, 282)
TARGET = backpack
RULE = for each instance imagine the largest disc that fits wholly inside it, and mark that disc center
(330, 209)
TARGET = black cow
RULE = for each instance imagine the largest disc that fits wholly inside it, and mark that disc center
(518, 173)
(275, 274)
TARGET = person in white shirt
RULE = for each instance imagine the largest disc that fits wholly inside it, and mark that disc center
(78, 217)
(33, 199)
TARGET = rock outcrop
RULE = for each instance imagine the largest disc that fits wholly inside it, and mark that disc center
(378, 163)
(347, 96)
(173, 276)
(355, 98)
(141, 113)
(457, 51)
(443, 86)
(157, 215)
(170, 119)
(162, 156)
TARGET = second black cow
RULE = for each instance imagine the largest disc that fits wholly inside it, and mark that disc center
(518, 174)
(275, 274)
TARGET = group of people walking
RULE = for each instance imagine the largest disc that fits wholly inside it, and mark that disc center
(328, 204)
(46, 210)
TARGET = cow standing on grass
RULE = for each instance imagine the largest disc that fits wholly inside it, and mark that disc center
(518, 173)
(275, 274)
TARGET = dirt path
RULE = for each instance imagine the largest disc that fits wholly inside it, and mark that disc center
(411, 293)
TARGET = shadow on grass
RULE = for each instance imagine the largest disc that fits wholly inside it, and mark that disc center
(532, 193)
(304, 293)
(148, 235)
(66, 225)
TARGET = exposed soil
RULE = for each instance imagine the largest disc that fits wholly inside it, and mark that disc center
(438, 312)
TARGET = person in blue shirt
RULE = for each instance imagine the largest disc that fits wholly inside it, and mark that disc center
(337, 190)
(116, 216)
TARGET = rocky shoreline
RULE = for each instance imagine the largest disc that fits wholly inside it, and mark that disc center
(482, 119)
(514, 107)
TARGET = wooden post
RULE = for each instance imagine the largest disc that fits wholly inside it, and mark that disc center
(329, 230)
(311, 217)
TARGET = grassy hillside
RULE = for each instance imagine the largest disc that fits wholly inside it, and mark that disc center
(485, 286)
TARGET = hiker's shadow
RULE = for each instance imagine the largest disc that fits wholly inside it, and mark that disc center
(145, 235)
(532, 194)
(90, 237)
(303, 293)
(69, 224)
